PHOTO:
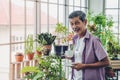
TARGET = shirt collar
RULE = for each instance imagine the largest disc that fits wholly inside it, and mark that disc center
(87, 35)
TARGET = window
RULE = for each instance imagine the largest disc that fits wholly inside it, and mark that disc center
(112, 8)
(18, 18)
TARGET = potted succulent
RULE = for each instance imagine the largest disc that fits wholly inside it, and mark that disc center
(19, 57)
(29, 46)
(46, 39)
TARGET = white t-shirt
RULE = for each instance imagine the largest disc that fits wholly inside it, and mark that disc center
(79, 46)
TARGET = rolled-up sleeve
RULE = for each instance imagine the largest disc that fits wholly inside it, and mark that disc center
(99, 50)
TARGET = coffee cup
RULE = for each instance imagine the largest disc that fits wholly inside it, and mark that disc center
(69, 53)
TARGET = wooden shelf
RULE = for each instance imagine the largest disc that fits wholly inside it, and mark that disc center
(115, 64)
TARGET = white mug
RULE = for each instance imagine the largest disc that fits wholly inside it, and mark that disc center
(69, 53)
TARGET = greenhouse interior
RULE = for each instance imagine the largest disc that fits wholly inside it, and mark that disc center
(41, 39)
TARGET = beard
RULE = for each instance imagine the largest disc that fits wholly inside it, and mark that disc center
(77, 29)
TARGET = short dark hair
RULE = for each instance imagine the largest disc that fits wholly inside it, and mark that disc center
(81, 14)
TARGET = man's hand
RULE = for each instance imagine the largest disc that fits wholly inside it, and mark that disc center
(78, 66)
(68, 57)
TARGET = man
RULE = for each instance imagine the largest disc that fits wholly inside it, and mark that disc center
(89, 58)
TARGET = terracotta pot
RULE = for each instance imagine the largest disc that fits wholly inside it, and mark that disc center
(19, 58)
(30, 56)
(39, 53)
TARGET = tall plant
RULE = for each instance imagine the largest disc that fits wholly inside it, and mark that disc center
(100, 25)
(61, 32)
(61, 29)
(29, 44)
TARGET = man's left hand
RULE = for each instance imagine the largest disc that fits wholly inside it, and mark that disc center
(78, 66)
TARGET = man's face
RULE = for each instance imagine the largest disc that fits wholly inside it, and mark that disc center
(77, 25)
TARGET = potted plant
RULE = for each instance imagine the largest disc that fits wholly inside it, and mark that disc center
(29, 46)
(100, 25)
(48, 68)
(19, 57)
(46, 39)
(61, 32)
(39, 50)
(32, 72)
(113, 48)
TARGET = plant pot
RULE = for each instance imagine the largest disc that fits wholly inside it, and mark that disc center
(30, 56)
(115, 57)
(19, 57)
(60, 49)
(39, 53)
(47, 49)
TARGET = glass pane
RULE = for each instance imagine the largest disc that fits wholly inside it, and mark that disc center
(70, 2)
(83, 3)
(4, 12)
(52, 28)
(84, 9)
(111, 3)
(52, 14)
(18, 33)
(61, 1)
(119, 27)
(44, 13)
(77, 2)
(17, 12)
(44, 27)
(61, 14)
(70, 29)
(4, 58)
(4, 34)
(31, 29)
(77, 8)
(44, 17)
(70, 9)
(30, 12)
(17, 48)
(44, 0)
(53, 1)
(115, 28)
(113, 13)
(86, 3)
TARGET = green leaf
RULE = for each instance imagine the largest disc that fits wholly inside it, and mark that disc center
(39, 75)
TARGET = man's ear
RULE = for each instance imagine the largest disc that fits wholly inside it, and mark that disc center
(85, 21)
